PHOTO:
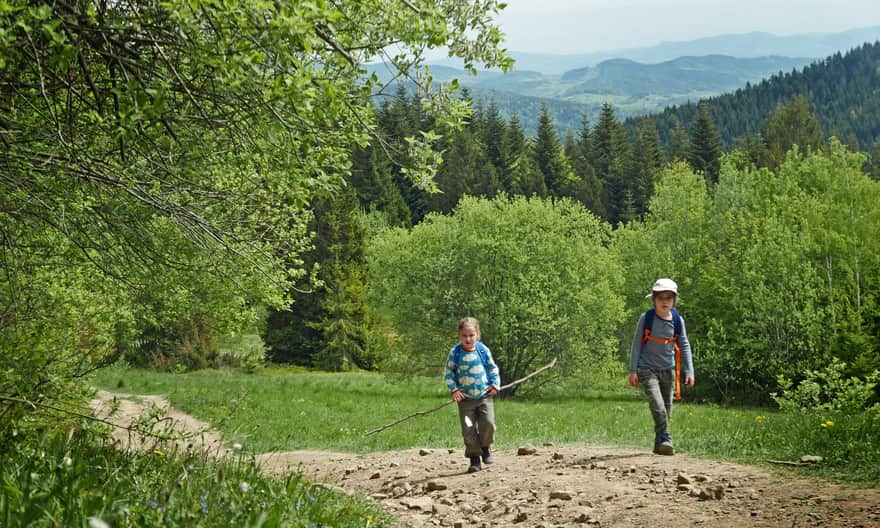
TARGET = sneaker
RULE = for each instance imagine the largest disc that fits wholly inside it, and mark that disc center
(487, 456)
(664, 448)
(475, 465)
(663, 445)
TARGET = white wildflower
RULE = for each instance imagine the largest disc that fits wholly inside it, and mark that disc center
(97, 522)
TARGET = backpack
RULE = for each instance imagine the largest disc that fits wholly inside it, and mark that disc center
(677, 330)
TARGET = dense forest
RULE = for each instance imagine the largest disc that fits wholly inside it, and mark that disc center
(613, 172)
(841, 90)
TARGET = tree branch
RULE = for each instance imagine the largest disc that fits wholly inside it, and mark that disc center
(319, 29)
(420, 413)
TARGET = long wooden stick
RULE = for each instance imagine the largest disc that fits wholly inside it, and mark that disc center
(444, 404)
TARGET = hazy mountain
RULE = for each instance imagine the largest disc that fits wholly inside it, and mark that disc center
(684, 76)
(842, 90)
(633, 88)
(745, 45)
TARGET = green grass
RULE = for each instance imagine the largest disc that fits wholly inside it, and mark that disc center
(282, 409)
(79, 480)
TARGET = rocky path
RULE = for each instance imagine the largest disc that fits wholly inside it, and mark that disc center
(562, 486)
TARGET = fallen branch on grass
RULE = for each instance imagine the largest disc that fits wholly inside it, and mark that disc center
(787, 462)
(806, 460)
(420, 413)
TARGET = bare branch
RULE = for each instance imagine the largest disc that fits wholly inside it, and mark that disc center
(444, 404)
(322, 32)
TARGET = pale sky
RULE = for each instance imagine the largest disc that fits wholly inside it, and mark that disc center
(581, 26)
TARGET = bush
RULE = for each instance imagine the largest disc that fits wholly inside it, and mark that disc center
(829, 390)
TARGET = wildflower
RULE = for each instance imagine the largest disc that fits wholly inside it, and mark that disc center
(236, 447)
(204, 503)
(244, 487)
(760, 418)
(826, 424)
(97, 522)
(67, 461)
(152, 503)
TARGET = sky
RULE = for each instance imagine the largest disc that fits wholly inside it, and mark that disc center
(582, 26)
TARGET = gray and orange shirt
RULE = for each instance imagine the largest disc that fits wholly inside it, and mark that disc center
(660, 356)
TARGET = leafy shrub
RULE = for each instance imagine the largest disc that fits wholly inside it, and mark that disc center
(829, 390)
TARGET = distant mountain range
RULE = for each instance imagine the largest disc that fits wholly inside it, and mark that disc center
(744, 45)
(711, 74)
(633, 88)
(642, 80)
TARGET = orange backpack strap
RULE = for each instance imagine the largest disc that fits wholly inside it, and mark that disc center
(677, 369)
(649, 319)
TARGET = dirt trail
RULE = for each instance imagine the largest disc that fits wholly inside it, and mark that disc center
(558, 486)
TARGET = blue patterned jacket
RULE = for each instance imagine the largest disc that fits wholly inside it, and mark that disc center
(472, 372)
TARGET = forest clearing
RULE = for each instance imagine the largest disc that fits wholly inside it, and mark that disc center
(560, 485)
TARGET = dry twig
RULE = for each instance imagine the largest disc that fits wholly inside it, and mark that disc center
(420, 413)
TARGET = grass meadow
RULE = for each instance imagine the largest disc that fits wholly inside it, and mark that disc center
(286, 409)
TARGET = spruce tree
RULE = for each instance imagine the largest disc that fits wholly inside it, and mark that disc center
(791, 123)
(343, 301)
(514, 144)
(528, 180)
(875, 159)
(678, 141)
(704, 152)
(611, 158)
(550, 158)
(373, 182)
(587, 189)
(494, 132)
(647, 161)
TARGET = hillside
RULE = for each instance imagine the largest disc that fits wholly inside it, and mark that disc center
(842, 90)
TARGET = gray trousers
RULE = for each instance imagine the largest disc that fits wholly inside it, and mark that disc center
(477, 419)
(659, 386)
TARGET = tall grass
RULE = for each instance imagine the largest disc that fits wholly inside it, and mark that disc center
(79, 480)
(280, 409)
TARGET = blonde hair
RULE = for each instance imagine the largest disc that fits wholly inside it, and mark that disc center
(469, 321)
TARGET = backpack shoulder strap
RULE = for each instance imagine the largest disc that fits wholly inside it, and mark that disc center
(676, 322)
(481, 348)
(649, 323)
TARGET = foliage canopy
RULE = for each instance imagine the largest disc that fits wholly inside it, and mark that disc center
(163, 156)
(535, 272)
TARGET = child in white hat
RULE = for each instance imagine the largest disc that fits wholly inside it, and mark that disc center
(660, 352)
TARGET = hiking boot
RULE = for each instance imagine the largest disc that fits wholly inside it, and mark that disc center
(475, 465)
(664, 448)
(663, 445)
(487, 456)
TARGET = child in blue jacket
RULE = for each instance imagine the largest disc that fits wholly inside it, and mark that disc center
(473, 379)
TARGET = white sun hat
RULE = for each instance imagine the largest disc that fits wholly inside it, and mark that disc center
(664, 285)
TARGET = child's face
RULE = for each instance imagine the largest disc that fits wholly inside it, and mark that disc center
(664, 301)
(468, 337)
